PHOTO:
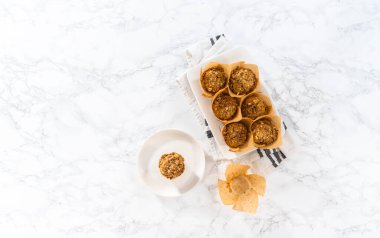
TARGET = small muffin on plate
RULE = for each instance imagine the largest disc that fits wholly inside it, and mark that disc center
(171, 165)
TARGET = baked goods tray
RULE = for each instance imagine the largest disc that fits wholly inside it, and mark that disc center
(193, 76)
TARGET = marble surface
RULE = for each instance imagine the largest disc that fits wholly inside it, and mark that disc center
(84, 83)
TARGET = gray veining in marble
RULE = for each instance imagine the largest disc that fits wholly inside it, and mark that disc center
(83, 83)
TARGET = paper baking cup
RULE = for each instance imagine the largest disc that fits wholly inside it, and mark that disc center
(208, 66)
(261, 96)
(276, 121)
(248, 144)
(252, 67)
(237, 116)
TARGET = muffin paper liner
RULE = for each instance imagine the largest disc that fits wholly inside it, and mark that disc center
(249, 143)
(242, 64)
(208, 66)
(276, 121)
(237, 116)
(263, 97)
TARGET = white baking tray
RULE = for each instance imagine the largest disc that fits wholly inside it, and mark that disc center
(231, 56)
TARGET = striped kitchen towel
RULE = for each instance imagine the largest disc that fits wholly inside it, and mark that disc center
(262, 161)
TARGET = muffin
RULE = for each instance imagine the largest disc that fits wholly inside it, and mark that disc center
(225, 107)
(264, 132)
(171, 165)
(254, 106)
(242, 80)
(235, 134)
(214, 79)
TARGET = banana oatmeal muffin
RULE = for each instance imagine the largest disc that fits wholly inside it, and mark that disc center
(242, 81)
(171, 165)
(235, 134)
(214, 79)
(253, 107)
(264, 132)
(225, 107)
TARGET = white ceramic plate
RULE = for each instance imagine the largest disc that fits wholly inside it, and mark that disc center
(167, 141)
(231, 56)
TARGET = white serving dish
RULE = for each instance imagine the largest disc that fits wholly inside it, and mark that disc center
(167, 141)
(193, 74)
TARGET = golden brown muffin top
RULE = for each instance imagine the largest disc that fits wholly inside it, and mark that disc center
(214, 79)
(254, 107)
(264, 132)
(225, 107)
(235, 134)
(242, 81)
(171, 165)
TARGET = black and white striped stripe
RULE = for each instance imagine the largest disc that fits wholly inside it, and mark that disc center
(276, 156)
(214, 39)
(208, 131)
(285, 125)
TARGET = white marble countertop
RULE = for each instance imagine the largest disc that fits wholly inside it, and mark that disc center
(83, 83)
